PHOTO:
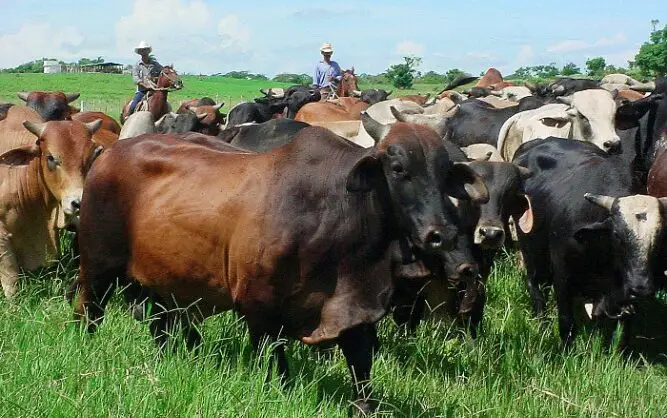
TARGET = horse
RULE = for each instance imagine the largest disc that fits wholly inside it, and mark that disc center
(155, 100)
(348, 85)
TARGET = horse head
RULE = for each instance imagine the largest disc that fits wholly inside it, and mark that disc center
(348, 85)
(169, 78)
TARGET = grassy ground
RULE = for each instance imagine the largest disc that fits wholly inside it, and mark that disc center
(50, 367)
(108, 92)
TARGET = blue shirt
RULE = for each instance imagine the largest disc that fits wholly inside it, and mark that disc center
(323, 70)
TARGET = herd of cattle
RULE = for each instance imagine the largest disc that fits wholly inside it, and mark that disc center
(315, 219)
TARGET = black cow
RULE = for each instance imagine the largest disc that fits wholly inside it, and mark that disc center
(372, 96)
(50, 105)
(477, 122)
(261, 110)
(565, 86)
(262, 136)
(590, 237)
(179, 123)
(484, 227)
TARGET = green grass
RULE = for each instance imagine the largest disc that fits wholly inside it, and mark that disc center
(50, 367)
(109, 92)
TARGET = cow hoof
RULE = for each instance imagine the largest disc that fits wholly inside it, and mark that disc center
(362, 408)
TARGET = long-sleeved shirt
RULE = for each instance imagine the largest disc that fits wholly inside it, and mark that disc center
(323, 70)
(142, 70)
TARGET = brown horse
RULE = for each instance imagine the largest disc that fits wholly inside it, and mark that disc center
(348, 85)
(156, 99)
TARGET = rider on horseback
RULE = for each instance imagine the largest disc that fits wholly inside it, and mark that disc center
(144, 72)
(327, 73)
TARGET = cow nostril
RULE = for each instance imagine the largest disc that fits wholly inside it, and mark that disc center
(434, 239)
(76, 204)
(611, 145)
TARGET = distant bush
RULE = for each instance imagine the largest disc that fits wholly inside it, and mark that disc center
(293, 78)
(403, 75)
(245, 75)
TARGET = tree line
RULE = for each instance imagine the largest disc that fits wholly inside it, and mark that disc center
(650, 61)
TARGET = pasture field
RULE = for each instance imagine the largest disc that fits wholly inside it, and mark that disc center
(108, 92)
(50, 367)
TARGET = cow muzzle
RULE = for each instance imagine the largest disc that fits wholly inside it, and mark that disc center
(489, 236)
(437, 239)
(612, 146)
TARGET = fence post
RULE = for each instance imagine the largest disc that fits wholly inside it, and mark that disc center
(82, 106)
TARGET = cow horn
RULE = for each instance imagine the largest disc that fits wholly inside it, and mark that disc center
(531, 86)
(600, 200)
(94, 125)
(375, 129)
(36, 128)
(201, 116)
(264, 92)
(357, 93)
(565, 99)
(524, 172)
(218, 106)
(159, 122)
(496, 93)
(389, 92)
(397, 114)
(558, 89)
(23, 96)
(72, 97)
(430, 102)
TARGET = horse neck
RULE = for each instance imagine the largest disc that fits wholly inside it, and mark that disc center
(158, 103)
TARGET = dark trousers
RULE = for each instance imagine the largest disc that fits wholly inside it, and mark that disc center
(136, 99)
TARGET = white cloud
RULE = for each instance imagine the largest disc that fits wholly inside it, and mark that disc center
(234, 35)
(409, 48)
(524, 56)
(572, 45)
(39, 40)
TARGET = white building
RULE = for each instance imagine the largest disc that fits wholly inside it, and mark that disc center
(52, 66)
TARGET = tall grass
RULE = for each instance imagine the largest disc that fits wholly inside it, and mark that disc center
(49, 366)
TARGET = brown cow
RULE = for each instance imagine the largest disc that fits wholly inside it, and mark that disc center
(344, 108)
(657, 175)
(493, 80)
(416, 98)
(108, 122)
(299, 240)
(40, 189)
(50, 105)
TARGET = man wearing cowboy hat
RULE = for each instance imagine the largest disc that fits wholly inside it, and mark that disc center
(326, 72)
(143, 73)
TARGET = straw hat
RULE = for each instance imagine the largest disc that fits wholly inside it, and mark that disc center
(326, 47)
(143, 45)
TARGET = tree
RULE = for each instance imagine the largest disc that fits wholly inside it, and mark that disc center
(570, 69)
(452, 74)
(245, 75)
(293, 78)
(596, 66)
(402, 76)
(652, 56)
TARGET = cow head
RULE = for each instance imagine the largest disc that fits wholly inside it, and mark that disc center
(507, 198)
(411, 164)
(372, 96)
(65, 151)
(633, 228)
(592, 114)
(50, 105)
(437, 122)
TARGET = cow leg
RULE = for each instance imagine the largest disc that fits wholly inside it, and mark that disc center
(261, 336)
(566, 324)
(537, 276)
(9, 268)
(358, 344)
(95, 290)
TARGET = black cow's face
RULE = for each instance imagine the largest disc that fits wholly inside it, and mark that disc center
(504, 182)
(412, 165)
(50, 105)
(634, 231)
(373, 96)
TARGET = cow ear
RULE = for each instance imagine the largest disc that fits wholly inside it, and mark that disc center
(93, 126)
(592, 231)
(35, 128)
(626, 117)
(522, 208)
(365, 175)
(463, 183)
(20, 156)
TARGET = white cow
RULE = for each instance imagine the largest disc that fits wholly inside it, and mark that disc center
(515, 93)
(622, 81)
(381, 112)
(587, 115)
(138, 123)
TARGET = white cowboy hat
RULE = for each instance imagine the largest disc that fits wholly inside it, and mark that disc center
(326, 47)
(143, 45)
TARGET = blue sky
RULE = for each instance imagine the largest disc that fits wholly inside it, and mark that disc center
(270, 37)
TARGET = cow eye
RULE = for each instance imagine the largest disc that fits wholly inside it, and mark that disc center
(51, 162)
